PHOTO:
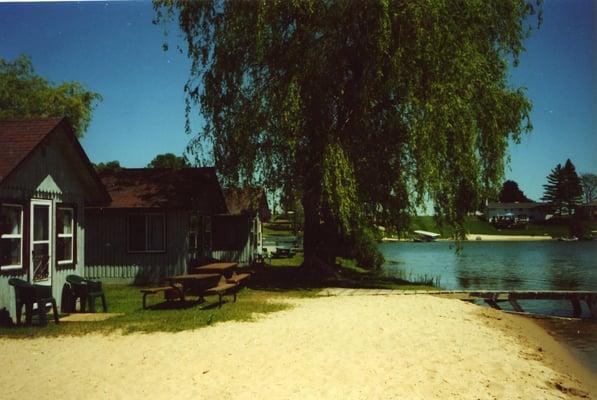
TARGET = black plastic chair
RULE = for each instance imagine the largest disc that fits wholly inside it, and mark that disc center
(87, 291)
(27, 294)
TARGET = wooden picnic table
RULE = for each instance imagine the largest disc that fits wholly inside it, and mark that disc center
(209, 283)
(192, 279)
(222, 268)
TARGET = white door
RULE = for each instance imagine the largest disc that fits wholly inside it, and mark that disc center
(41, 241)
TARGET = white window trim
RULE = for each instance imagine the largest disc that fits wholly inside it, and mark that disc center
(128, 227)
(70, 235)
(13, 236)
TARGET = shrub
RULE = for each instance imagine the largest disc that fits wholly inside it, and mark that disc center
(365, 249)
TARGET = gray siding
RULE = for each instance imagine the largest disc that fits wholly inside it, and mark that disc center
(47, 174)
(243, 250)
(108, 257)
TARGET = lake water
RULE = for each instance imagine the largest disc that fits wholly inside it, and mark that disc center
(510, 266)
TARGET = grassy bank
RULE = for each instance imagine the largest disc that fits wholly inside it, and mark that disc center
(475, 225)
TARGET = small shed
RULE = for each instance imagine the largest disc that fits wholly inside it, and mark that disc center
(238, 236)
(46, 180)
(157, 222)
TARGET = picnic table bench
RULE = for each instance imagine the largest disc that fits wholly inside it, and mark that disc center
(238, 278)
(171, 292)
(222, 288)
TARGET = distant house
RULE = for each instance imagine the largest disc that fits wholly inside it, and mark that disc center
(532, 211)
(158, 221)
(589, 210)
(238, 237)
(46, 180)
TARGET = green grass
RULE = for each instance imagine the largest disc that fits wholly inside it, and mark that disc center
(173, 316)
(269, 286)
(284, 273)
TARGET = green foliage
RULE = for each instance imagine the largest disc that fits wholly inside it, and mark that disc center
(365, 250)
(579, 228)
(589, 186)
(511, 193)
(110, 166)
(563, 190)
(26, 95)
(340, 189)
(380, 104)
(168, 160)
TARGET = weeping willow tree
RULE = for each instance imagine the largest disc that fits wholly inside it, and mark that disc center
(365, 110)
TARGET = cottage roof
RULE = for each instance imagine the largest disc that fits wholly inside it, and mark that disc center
(20, 138)
(523, 205)
(248, 200)
(185, 188)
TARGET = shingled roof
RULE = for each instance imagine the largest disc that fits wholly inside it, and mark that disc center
(248, 200)
(185, 188)
(19, 138)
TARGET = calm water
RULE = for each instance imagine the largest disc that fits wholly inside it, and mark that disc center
(510, 266)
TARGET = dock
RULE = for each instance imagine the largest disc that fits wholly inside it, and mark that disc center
(492, 297)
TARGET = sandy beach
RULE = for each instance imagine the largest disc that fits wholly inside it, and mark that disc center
(508, 238)
(359, 347)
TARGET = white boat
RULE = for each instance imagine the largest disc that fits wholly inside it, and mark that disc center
(568, 239)
(425, 236)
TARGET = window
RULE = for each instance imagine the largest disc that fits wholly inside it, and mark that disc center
(11, 236)
(65, 228)
(147, 233)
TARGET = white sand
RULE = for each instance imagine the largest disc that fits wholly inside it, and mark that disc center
(361, 347)
(507, 238)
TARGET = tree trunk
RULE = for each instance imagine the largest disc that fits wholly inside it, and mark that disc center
(311, 208)
(318, 241)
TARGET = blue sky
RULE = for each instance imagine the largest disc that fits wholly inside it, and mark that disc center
(114, 49)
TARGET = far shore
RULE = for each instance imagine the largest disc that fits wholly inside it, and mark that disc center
(337, 347)
(483, 237)
(508, 238)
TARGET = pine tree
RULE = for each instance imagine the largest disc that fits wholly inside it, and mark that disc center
(571, 187)
(563, 190)
(553, 189)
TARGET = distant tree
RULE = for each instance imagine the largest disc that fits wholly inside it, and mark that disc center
(571, 188)
(510, 193)
(553, 189)
(110, 166)
(589, 186)
(168, 160)
(563, 189)
(23, 94)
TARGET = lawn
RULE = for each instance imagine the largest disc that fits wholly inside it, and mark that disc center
(269, 287)
(164, 317)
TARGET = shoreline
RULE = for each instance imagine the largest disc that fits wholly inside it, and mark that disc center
(351, 347)
(472, 237)
(555, 354)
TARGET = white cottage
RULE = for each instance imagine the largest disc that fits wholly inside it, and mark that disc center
(46, 180)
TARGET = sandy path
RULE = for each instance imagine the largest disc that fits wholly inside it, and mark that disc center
(361, 347)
